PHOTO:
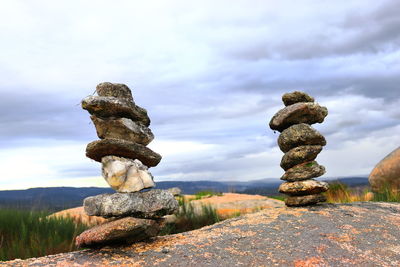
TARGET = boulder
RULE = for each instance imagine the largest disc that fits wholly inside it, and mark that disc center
(298, 201)
(309, 113)
(299, 155)
(98, 149)
(120, 231)
(122, 128)
(301, 188)
(299, 135)
(117, 90)
(108, 106)
(176, 191)
(304, 171)
(150, 204)
(386, 174)
(296, 97)
(126, 175)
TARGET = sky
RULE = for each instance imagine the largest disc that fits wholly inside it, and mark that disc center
(210, 74)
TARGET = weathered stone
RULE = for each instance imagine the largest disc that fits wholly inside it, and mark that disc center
(122, 128)
(304, 171)
(386, 174)
(118, 90)
(121, 231)
(126, 175)
(108, 147)
(299, 155)
(299, 135)
(301, 188)
(176, 191)
(150, 204)
(297, 201)
(296, 97)
(108, 106)
(309, 113)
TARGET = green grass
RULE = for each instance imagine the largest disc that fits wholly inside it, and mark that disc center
(26, 234)
(205, 194)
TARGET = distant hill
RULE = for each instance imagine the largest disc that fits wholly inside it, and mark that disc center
(59, 198)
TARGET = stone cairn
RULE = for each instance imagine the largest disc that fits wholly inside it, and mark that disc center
(123, 129)
(301, 145)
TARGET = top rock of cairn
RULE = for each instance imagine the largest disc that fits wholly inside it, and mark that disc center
(117, 90)
(296, 97)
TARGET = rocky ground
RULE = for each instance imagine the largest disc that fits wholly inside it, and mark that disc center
(357, 234)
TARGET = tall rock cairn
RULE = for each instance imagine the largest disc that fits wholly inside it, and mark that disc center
(122, 127)
(301, 144)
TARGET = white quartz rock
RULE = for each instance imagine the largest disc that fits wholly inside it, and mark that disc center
(126, 175)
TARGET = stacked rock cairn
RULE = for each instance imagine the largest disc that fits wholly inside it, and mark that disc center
(301, 144)
(122, 127)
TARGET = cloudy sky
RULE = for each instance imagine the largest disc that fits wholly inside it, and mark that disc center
(211, 75)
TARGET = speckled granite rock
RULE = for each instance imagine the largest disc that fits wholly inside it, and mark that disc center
(117, 90)
(299, 155)
(309, 113)
(122, 128)
(126, 230)
(150, 204)
(96, 150)
(340, 235)
(300, 188)
(296, 97)
(300, 135)
(303, 171)
(297, 201)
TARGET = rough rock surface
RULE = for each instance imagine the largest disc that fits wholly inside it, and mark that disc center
(298, 201)
(296, 97)
(150, 204)
(300, 135)
(176, 191)
(126, 175)
(386, 173)
(299, 155)
(118, 90)
(126, 230)
(309, 113)
(108, 106)
(122, 128)
(304, 171)
(96, 150)
(301, 188)
(355, 234)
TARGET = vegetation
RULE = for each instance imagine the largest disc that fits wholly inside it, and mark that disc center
(25, 234)
(205, 194)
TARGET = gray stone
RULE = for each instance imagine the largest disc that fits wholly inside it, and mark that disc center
(309, 113)
(304, 171)
(299, 135)
(122, 128)
(150, 204)
(301, 188)
(386, 174)
(118, 90)
(108, 106)
(120, 231)
(126, 175)
(296, 97)
(114, 147)
(298, 201)
(176, 191)
(299, 155)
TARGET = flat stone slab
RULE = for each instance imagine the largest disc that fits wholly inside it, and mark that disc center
(299, 201)
(150, 204)
(342, 235)
(301, 188)
(117, 90)
(296, 97)
(309, 113)
(299, 135)
(304, 171)
(120, 231)
(122, 128)
(108, 106)
(115, 147)
(299, 155)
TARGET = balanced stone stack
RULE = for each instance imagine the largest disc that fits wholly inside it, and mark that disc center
(122, 127)
(301, 144)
